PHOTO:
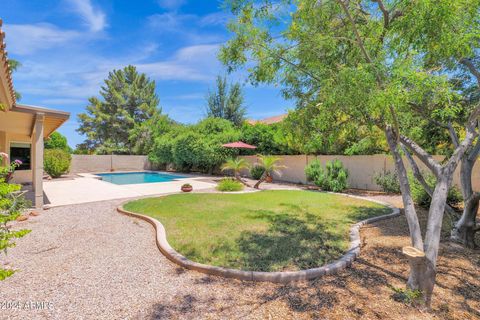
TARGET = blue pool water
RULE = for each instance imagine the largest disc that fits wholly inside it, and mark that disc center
(138, 177)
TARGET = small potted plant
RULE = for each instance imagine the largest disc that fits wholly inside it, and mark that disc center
(187, 187)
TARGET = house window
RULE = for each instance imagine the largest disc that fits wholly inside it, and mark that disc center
(21, 151)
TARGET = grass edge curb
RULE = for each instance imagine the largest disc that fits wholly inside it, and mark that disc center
(276, 277)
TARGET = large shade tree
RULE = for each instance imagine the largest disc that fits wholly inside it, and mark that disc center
(380, 63)
(111, 124)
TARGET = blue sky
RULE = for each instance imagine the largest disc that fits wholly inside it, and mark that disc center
(67, 48)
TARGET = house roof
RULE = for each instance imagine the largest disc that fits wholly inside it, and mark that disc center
(19, 118)
(53, 118)
(7, 92)
(35, 109)
(270, 120)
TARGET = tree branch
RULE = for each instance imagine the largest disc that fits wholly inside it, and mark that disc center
(453, 135)
(471, 67)
(355, 31)
(386, 14)
(291, 63)
(426, 158)
(459, 151)
(473, 155)
(419, 176)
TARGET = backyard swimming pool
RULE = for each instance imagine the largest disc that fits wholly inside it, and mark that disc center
(138, 177)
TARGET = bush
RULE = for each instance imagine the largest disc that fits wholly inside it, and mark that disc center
(228, 184)
(56, 162)
(332, 178)
(257, 171)
(313, 170)
(421, 197)
(195, 147)
(57, 141)
(12, 203)
(388, 181)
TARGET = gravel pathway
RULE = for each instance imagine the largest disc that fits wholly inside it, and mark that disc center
(90, 262)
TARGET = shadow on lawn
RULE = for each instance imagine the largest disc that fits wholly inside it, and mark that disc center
(290, 241)
(296, 239)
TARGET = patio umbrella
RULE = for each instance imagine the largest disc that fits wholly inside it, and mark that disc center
(238, 145)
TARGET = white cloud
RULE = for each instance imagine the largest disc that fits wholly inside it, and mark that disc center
(215, 19)
(67, 81)
(24, 39)
(193, 63)
(169, 21)
(93, 17)
(171, 4)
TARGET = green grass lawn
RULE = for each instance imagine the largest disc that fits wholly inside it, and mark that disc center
(261, 231)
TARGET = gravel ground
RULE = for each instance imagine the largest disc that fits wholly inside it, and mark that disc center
(90, 262)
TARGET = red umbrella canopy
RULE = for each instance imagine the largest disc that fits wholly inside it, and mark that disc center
(239, 145)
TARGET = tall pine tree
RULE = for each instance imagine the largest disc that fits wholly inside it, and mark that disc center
(226, 102)
(129, 99)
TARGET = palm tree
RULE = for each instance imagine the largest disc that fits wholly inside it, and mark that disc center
(236, 165)
(270, 163)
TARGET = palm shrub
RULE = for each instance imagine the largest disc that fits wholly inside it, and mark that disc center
(56, 162)
(332, 178)
(256, 171)
(229, 184)
(236, 165)
(270, 163)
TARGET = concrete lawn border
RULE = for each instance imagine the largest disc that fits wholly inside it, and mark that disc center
(277, 277)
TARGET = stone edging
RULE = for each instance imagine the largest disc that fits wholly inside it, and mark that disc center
(278, 277)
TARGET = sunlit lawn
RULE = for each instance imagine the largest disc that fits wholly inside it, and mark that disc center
(262, 231)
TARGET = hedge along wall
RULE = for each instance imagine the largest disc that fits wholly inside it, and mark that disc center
(361, 169)
(105, 163)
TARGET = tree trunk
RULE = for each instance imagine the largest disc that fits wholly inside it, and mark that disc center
(262, 179)
(426, 276)
(422, 276)
(239, 179)
(465, 228)
(409, 207)
(422, 270)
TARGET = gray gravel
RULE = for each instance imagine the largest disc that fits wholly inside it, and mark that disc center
(90, 262)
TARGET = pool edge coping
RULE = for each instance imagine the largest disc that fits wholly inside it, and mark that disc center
(277, 277)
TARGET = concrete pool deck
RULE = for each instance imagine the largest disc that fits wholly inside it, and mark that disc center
(89, 188)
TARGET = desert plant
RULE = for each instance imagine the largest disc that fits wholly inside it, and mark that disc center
(332, 178)
(270, 163)
(313, 170)
(388, 181)
(228, 184)
(256, 171)
(406, 296)
(236, 165)
(56, 162)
